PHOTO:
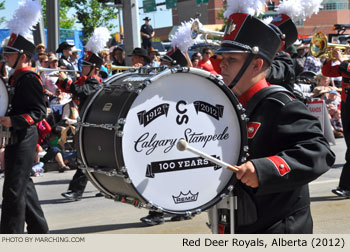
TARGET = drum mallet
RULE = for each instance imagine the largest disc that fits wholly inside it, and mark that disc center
(183, 145)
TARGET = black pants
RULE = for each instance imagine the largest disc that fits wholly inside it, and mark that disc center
(79, 182)
(20, 201)
(146, 43)
(344, 181)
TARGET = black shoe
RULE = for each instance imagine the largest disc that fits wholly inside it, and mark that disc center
(153, 219)
(99, 194)
(180, 218)
(72, 196)
(341, 192)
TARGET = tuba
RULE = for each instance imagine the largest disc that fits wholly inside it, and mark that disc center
(197, 29)
(320, 48)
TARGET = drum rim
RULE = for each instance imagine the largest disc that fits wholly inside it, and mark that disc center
(2, 82)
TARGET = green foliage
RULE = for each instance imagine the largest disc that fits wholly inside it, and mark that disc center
(2, 7)
(65, 21)
(91, 14)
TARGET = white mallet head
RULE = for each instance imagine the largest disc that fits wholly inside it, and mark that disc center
(181, 145)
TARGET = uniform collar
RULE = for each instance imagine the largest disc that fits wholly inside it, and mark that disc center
(247, 95)
(18, 71)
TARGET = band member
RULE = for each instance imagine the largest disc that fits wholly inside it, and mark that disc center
(147, 33)
(342, 70)
(20, 203)
(66, 50)
(86, 85)
(287, 149)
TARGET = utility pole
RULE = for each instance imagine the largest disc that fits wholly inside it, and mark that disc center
(52, 17)
(131, 27)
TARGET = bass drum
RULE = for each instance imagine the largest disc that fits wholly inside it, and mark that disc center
(4, 98)
(129, 132)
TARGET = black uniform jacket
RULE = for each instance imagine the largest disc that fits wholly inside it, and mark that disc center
(81, 88)
(288, 150)
(28, 102)
(282, 71)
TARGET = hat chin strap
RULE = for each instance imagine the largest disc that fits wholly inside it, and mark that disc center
(242, 70)
(17, 59)
(91, 67)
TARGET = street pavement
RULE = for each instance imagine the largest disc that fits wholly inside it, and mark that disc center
(100, 215)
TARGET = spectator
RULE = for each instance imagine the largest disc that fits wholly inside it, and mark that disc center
(205, 63)
(333, 98)
(337, 125)
(153, 54)
(312, 64)
(139, 57)
(118, 56)
(147, 34)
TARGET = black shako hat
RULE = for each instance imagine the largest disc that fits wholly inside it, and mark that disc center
(141, 53)
(176, 57)
(287, 27)
(64, 45)
(92, 59)
(18, 43)
(247, 34)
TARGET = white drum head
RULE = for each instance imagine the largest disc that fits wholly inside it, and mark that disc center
(181, 105)
(4, 99)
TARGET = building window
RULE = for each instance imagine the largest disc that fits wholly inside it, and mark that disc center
(335, 5)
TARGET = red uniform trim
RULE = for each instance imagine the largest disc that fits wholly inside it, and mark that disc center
(281, 165)
(252, 129)
(244, 98)
(29, 120)
(69, 82)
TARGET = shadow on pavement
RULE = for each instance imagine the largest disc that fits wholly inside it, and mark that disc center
(327, 198)
(96, 229)
(53, 182)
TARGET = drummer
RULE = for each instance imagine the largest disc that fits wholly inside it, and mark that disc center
(86, 85)
(287, 149)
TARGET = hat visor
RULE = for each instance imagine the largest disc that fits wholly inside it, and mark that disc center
(8, 49)
(231, 49)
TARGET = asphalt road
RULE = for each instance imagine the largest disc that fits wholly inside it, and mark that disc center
(99, 215)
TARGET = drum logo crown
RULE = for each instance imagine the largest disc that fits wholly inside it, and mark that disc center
(184, 198)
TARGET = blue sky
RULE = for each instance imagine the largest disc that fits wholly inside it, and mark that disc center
(160, 18)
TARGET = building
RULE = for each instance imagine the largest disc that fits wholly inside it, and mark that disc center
(333, 12)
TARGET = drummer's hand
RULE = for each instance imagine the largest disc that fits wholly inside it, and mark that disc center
(62, 75)
(247, 174)
(137, 65)
(6, 121)
(337, 55)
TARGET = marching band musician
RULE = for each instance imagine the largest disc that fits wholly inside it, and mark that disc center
(342, 70)
(86, 85)
(287, 149)
(20, 203)
(66, 50)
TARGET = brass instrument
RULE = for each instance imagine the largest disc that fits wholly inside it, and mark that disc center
(119, 69)
(43, 69)
(320, 48)
(197, 29)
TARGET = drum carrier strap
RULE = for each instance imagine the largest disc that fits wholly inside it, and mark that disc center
(260, 95)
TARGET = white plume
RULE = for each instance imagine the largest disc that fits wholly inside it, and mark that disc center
(311, 7)
(98, 40)
(299, 9)
(267, 20)
(27, 15)
(252, 7)
(182, 38)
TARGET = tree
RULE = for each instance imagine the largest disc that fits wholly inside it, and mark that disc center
(65, 21)
(91, 15)
(2, 7)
